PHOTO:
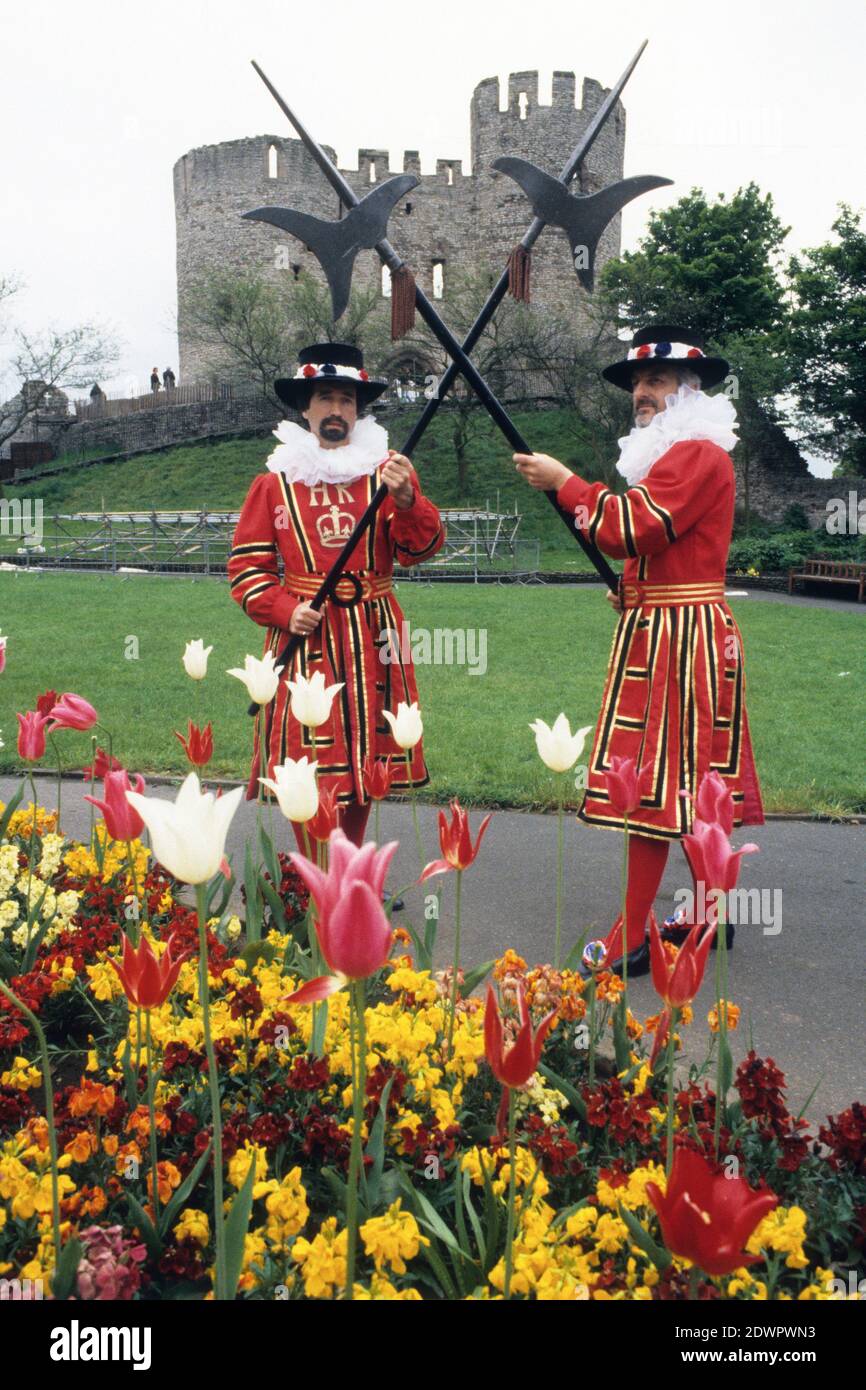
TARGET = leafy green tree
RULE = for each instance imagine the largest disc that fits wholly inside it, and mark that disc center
(827, 342)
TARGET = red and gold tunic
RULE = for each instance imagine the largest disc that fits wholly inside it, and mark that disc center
(675, 692)
(302, 528)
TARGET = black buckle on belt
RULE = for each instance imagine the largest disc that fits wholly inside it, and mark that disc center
(356, 597)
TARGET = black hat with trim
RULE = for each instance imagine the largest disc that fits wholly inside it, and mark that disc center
(664, 344)
(328, 362)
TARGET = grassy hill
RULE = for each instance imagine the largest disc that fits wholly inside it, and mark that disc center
(217, 475)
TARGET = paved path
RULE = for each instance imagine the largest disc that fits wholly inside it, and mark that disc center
(800, 988)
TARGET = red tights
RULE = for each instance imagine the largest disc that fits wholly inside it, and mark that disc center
(353, 823)
(646, 865)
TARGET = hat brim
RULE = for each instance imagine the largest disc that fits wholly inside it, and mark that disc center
(291, 389)
(711, 370)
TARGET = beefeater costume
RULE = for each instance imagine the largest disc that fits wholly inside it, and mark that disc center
(675, 692)
(296, 517)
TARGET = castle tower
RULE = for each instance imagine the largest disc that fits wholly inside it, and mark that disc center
(453, 220)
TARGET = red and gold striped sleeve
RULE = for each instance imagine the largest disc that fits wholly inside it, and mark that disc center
(417, 532)
(253, 563)
(683, 484)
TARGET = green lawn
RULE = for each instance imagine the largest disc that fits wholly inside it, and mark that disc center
(546, 651)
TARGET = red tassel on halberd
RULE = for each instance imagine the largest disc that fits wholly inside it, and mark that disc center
(519, 263)
(402, 302)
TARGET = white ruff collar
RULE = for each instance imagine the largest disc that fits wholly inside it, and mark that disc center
(690, 414)
(300, 456)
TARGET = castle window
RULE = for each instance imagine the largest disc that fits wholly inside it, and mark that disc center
(408, 209)
(296, 271)
(272, 162)
(438, 279)
(450, 175)
(372, 171)
(386, 282)
(523, 105)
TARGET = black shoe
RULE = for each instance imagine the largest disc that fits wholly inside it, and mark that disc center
(397, 904)
(638, 963)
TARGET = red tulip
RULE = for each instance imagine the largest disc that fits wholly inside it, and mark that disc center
(327, 817)
(714, 804)
(2, 653)
(101, 764)
(455, 842)
(707, 1217)
(147, 982)
(625, 784)
(45, 703)
(353, 930)
(121, 818)
(198, 744)
(31, 735)
(516, 1066)
(73, 712)
(677, 984)
(712, 860)
(377, 777)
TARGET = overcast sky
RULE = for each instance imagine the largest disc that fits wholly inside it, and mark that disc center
(98, 100)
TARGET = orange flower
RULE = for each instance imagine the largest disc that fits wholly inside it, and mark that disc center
(125, 1153)
(82, 1147)
(509, 964)
(608, 987)
(733, 1012)
(109, 1144)
(169, 1178)
(91, 1096)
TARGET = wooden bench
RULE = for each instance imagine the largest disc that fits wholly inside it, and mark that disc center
(831, 572)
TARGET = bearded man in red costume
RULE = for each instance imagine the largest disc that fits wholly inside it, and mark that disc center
(674, 697)
(298, 515)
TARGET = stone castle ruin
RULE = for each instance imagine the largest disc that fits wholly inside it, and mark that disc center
(453, 219)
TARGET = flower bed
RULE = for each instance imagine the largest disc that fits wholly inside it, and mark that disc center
(583, 1182)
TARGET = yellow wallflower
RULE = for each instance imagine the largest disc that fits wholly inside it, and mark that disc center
(323, 1259)
(782, 1230)
(22, 1075)
(393, 1238)
(193, 1225)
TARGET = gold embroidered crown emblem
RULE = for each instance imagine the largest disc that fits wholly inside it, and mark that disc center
(334, 527)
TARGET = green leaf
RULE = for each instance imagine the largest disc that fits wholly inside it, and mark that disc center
(270, 856)
(473, 978)
(146, 1226)
(129, 1077)
(219, 883)
(251, 886)
(433, 1221)
(179, 1198)
(642, 1238)
(571, 1093)
(621, 1044)
(726, 1070)
(275, 903)
(63, 1279)
(376, 1149)
(9, 810)
(473, 1216)
(236, 1227)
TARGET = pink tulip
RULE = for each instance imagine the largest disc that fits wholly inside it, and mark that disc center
(122, 820)
(713, 862)
(31, 735)
(353, 930)
(73, 712)
(2, 653)
(625, 784)
(713, 804)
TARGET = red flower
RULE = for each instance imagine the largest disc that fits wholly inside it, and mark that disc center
(365, 376)
(327, 817)
(714, 804)
(45, 703)
(455, 842)
(377, 776)
(625, 783)
(198, 744)
(121, 818)
(707, 1217)
(643, 350)
(516, 1066)
(309, 369)
(31, 735)
(73, 712)
(147, 981)
(101, 764)
(712, 860)
(677, 984)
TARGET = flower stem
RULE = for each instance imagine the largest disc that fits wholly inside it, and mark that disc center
(624, 892)
(49, 1113)
(376, 833)
(557, 946)
(359, 1086)
(59, 777)
(411, 784)
(509, 1238)
(136, 935)
(721, 1016)
(453, 1008)
(220, 1291)
(592, 1008)
(669, 1156)
(151, 1110)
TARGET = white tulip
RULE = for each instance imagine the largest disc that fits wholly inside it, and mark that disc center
(195, 659)
(295, 789)
(558, 747)
(311, 700)
(259, 677)
(189, 834)
(406, 724)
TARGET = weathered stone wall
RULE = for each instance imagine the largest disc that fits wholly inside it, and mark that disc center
(466, 220)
